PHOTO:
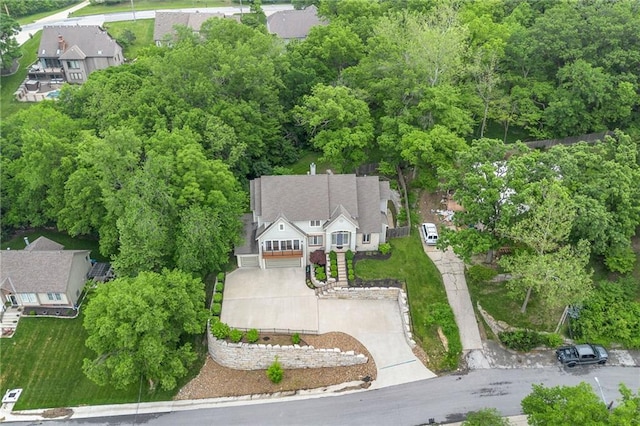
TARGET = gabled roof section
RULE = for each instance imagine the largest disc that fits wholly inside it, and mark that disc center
(37, 271)
(166, 21)
(277, 220)
(74, 52)
(340, 211)
(321, 197)
(290, 24)
(43, 243)
(91, 40)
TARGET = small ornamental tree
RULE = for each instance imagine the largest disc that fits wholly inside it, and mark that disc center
(275, 372)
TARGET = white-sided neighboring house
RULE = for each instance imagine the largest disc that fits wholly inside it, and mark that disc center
(43, 275)
(294, 215)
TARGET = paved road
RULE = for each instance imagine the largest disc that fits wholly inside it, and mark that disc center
(63, 19)
(445, 399)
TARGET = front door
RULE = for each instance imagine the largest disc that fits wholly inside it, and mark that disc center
(13, 300)
(340, 239)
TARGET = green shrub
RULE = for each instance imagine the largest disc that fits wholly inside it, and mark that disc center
(217, 298)
(349, 255)
(252, 335)
(553, 340)
(220, 330)
(235, 335)
(333, 256)
(275, 372)
(220, 287)
(320, 273)
(32, 313)
(220, 277)
(384, 248)
(440, 314)
(522, 340)
(479, 274)
(216, 308)
(295, 338)
(215, 319)
(620, 259)
(351, 276)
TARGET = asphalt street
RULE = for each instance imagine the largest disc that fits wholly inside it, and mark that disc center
(445, 399)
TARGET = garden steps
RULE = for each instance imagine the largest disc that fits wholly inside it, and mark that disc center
(342, 267)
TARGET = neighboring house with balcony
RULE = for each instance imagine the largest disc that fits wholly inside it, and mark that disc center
(294, 24)
(43, 275)
(294, 215)
(164, 28)
(69, 53)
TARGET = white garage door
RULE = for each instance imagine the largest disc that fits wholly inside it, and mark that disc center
(283, 263)
(249, 261)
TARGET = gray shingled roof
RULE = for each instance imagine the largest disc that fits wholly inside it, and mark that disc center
(43, 243)
(166, 21)
(316, 197)
(290, 24)
(37, 271)
(91, 40)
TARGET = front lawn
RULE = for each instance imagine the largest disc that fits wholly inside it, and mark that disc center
(142, 29)
(9, 84)
(139, 5)
(44, 358)
(425, 289)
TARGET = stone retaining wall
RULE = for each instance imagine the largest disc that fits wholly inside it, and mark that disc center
(374, 293)
(250, 356)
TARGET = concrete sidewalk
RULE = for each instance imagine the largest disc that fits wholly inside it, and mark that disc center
(451, 268)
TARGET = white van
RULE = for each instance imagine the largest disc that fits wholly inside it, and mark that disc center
(429, 233)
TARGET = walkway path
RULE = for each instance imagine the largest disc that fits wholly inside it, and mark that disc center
(451, 268)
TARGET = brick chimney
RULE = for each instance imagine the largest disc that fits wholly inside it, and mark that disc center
(62, 45)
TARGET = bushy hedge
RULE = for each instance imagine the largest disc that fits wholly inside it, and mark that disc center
(220, 287)
(220, 277)
(235, 335)
(216, 308)
(252, 335)
(318, 257)
(525, 340)
(220, 330)
(479, 274)
(384, 248)
(349, 255)
(320, 273)
(217, 298)
(441, 315)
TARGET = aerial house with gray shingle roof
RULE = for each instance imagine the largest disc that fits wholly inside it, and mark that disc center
(295, 215)
(71, 52)
(43, 275)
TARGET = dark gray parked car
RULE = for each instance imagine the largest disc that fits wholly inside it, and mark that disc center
(582, 354)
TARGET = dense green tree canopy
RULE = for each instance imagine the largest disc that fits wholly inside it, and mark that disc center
(139, 327)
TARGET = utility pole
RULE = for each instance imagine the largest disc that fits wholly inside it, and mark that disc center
(133, 10)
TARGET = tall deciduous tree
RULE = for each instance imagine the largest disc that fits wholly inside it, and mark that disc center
(339, 124)
(139, 327)
(9, 48)
(573, 405)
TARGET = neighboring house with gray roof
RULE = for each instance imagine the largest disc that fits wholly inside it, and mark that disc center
(71, 52)
(164, 27)
(293, 24)
(43, 275)
(295, 215)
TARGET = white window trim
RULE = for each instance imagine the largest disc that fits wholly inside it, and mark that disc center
(314, 238)
(366, 238)
(281, 226)
(315, 223)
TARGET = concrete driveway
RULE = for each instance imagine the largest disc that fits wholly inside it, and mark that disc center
(269, 298)
(279, 298)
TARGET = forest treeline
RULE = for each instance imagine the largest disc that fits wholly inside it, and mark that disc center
(153, 157)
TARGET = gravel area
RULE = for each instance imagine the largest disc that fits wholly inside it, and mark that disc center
(216, 381)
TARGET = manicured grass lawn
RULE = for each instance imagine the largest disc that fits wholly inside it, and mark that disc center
(143, 30)
(9, 84)
(32, 18)
(301, 167)
(408, 262)
(68, 242)
(97, 9)
(44, 358)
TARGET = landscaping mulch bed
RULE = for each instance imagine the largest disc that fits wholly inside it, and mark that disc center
(216, 381)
